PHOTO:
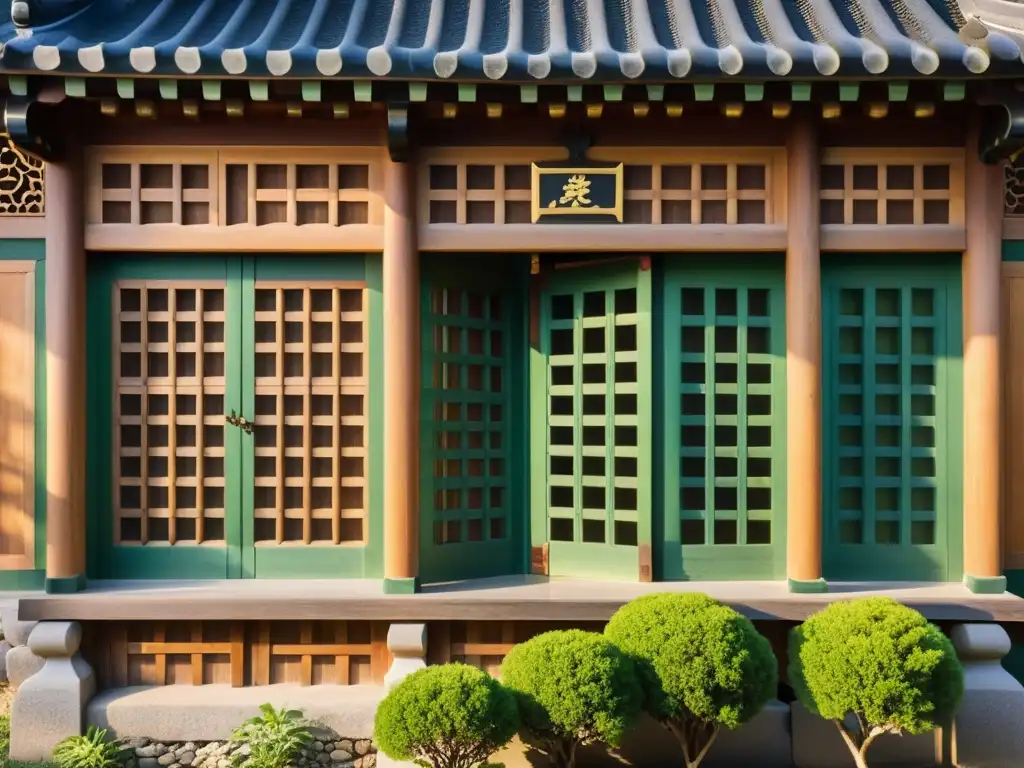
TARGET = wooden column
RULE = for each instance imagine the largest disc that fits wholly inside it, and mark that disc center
(982, 374)
(401, 381)
(803, 359)
(65, 376)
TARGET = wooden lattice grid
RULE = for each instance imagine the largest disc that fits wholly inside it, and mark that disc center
(311, 413)
(170, 387)
(157, 185)
(892, 186)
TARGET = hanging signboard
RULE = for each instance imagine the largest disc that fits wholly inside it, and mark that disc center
(586, 193)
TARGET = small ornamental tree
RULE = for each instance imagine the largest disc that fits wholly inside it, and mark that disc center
(880, 661)
(573, 688)
(702, 665)
(448, 716)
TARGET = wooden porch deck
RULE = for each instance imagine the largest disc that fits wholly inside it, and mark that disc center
(522, 598)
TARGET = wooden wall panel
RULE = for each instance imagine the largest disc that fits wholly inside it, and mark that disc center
(1013, 431)
(17, 412)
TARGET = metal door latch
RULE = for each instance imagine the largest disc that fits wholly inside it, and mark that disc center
(240, 421)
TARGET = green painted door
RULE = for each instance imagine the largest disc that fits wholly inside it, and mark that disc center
(893, 418)
(472, 497)
(281, 342)
(724, 428)
(591, 411)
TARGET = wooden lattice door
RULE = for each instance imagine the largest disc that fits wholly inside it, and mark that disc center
(590, 387)
(237, 390)
(892, 419)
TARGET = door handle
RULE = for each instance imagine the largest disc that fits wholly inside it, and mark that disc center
(239, 421)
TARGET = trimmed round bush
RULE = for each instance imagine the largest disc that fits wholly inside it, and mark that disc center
(449, 716)
(703, 666)
(573, 688)
(879, 660)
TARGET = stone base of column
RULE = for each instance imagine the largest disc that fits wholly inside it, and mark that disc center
(985, 585)
(408, 646)
(64, 585)
(401, 586)
(815, 587)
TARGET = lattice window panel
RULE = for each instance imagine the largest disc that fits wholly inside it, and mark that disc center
(484, 193)
(311, 192)
(898, 187)
(22, 186)
(170, 386)
(697, 193)
(311, 412)
(1014, 186)
(467, 363)
(319, 653)
(158, 187)
(885, 455)
(727, 424)
(593, 425)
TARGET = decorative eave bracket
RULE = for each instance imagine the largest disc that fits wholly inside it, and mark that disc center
(1002, 129)
(398, 131)
(24, 126)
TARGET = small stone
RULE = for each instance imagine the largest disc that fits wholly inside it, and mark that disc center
(130, 763)
(148, 762)
(323, 758)
(223, 763)
(370, 761)
(140, 742)
(167, 758)
(189, 746)
(345, 745)
(362, 746)
(175, 765)
(159, 750)
(318, 746)
(187, 759)
(245, 750)
(340, 756)
(146, 752)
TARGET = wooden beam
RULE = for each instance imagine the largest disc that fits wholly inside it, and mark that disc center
(65, 377)
(982, 368)
(401, 379)
(803, 357)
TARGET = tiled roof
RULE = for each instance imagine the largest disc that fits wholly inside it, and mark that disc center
(515, 40)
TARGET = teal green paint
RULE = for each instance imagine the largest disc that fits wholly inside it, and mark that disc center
(656, 92)
(613, 92)
(373, 557)
(22, 581)
(211, 90)
(34, 250)
(460, 335)
(1013, 250)
(753, 91)
(362, 90)
(168, 89)
(239, 394)
(574, 93)
(311, 90)
(587, 489)
(417, 91)
(259, 90)
(849, 91)
(401, 586)
(723, 376)
(800, 91)
(18, 85)
(125, 88)
(467, 92)
(898, 90)
(985, 585)
(74, 87)
(528, 94)
(816, 587)
(892, 421)
(703, 91)
(954, 90)
(66, 585)
(1013, 662)
(99, 393)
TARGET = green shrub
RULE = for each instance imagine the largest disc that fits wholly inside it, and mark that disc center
(701, 664)
(274, 738)
(880, 661)
(572, 688)
(449, 716)
(89, 751)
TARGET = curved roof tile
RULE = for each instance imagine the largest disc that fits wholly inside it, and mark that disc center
(523, 40)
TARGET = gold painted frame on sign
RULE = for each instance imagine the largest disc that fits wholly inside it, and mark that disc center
(538, 208)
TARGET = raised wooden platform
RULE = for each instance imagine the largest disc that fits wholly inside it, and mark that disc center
(522, 598)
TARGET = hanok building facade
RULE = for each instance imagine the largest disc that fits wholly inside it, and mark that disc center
(308, 306)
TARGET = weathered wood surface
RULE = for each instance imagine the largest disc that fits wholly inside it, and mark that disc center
(523, 598)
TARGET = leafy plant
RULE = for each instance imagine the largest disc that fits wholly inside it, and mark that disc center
(89, 751)
(702, 665)
(880, 661)
(448, 716)
(572, 688)
(274, 737)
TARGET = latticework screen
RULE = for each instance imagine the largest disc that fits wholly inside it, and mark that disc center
(885, 187)
(311, 409)
(170, 384)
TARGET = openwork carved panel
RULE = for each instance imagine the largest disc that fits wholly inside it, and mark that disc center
(21, 182)
(892, 186)
(1015, 187)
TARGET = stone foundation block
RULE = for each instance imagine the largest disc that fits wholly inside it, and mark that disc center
(20, 664)
(989, 727)
(818, 744)
(15, 632)
(49, 705)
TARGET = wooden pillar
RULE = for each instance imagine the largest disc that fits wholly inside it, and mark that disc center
(65, 376)
(982, 374)
(401, 381)
(803, 359)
